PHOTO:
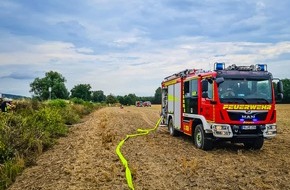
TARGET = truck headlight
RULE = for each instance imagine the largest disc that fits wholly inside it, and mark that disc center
(220, 128)
(272, 127)
(270, 130)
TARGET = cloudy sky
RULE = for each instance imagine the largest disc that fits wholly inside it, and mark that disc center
(122, 46)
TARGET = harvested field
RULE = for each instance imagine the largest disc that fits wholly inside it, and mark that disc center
(86, 159)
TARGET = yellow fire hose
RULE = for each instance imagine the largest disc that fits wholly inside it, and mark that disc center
(122, 158)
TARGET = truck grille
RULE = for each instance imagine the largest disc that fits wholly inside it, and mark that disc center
(237, 116)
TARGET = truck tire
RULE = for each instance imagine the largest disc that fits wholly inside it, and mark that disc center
(171, 129)
(201, 140)
(254, 144)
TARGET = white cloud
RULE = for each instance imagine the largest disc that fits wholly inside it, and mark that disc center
(137, 72)
(129, 47)
(275, 50)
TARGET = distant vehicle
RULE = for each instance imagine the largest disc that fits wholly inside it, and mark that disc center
(139, 103)
(147, 104)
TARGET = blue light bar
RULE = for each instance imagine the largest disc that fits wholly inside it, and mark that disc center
(242, 120)
(261, 67)
(219, 66)
(255, 120)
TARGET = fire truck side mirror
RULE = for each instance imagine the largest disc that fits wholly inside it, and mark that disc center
(279, 97)
(280, 87)
(278, 90)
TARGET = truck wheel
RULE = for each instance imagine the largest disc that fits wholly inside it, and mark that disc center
(255, 144)
(172, 130)
(200, 139)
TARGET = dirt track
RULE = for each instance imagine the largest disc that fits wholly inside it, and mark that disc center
(86, 159)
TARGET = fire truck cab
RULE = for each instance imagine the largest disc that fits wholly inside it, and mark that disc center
(234, 104)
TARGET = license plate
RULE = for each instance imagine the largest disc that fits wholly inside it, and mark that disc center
(249, 127)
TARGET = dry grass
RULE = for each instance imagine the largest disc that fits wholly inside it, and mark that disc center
(86, 159)
(283, 118)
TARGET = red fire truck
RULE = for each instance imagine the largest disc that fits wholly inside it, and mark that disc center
(234, 104)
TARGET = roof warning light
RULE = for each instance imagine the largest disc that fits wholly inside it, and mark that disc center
(219, 66)
(261, 67)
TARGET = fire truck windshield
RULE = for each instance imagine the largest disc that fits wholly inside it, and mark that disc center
(245, 91)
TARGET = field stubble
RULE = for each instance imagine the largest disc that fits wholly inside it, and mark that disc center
(86, 159)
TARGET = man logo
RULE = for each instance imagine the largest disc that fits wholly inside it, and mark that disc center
(248, 116)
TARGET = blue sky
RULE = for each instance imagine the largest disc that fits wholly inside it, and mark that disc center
(123, 47)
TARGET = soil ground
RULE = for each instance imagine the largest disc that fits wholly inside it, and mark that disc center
(86, 158)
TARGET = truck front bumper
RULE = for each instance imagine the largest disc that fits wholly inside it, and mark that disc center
(243, 131)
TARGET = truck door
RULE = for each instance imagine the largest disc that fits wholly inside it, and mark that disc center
(191, 96)
(207, 101)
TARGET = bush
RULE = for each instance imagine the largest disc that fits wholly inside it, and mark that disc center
(5, 152)
(27, 107)
(33, 127)
(77, 101)
(58, 103)
(48, 120)
(70, 116)
(8, 135)
(9, 170)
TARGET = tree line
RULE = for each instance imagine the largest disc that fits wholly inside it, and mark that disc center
(52, 86)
